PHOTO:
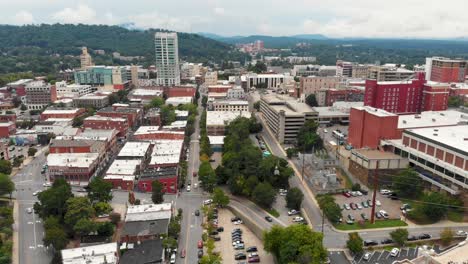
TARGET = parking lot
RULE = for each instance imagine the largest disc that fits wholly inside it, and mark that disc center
(225, 245)
(392, 207)
(384, 257)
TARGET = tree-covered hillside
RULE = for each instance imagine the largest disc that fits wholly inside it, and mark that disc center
(44, 48)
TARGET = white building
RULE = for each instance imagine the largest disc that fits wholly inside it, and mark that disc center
(167, 58)
(211, 78)
(134, 150)
(97, 254)
(147, 212)
(189, 70)
(175, 101)
(65, 90)
(268, 80)
(235, 93)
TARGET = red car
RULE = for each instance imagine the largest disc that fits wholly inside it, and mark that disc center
(200, 244)
(194, 174)
(254, 259)
(353, 206)
(346, 194)
(182, 253)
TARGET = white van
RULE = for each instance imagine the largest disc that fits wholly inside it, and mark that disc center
(173, 258)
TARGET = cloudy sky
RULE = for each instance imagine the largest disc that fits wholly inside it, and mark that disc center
(334, 18)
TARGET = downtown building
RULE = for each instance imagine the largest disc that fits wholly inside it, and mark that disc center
(39, 94)
(167, 58)
(445, 70)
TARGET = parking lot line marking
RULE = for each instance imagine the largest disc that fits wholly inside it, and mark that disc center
(381, 253)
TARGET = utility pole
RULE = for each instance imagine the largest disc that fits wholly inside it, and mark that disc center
(376, 184)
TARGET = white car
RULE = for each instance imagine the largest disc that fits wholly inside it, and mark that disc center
(195, 185)
(293, 212)
(36, 193)
(394, 252)
(29, 210)
(359, 206)
(377, 202)
(298, 219)
(461, 233)
(207, 202)
(358, 193)
(47, 184)
(188, 188)
(367, 256)
(383, 212)
(238, 222)
(385, 191)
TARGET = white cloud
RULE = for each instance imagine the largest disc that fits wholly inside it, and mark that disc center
(81, 14)
(157, 20)
(23, 18)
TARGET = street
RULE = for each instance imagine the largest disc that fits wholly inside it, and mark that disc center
(29, 226)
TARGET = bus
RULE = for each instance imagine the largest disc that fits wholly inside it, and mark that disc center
(338, 135)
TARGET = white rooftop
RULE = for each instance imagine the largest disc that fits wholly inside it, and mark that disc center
(214, 118)
(98, 254)
(20, 82)
(6, 124)
(75, 160)
(148, 212)
(216, 140)
(146, 92)
(123, 167)
(181, 113)
(97, 134)
(166, 152)
(374, 111)
(452, 136)
(134, 149)
(60, 111)
(231, 102)
(432, 119)
(105, 118)
(178, 100)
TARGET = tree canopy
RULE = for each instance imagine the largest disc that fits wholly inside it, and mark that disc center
(100, 190)
(404, 180)
(307, 137)
(295, 244)
(219, 197)
(355, 243)
(157, 192)
(6, 185)
(294, 198)
(52, 202)
(311, 100)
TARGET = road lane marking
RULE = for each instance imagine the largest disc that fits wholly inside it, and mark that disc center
(30, 223)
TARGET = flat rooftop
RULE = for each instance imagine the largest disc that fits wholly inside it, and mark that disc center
(123, 167)
(376, 154)
(216, 140)
(455, 255)
(134, 149)
(148, 212)
(105, 118)
(214, 118)
(166, 152)
(61, 111)
(146, 92)
(374, 111)
(98, 254)
(432, 119)
(454, 137)
(178, 100)
(231, 102)
(75, 160)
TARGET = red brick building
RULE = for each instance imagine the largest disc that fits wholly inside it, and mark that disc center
(179, 91)
(8, 118)
(122, 173)
(103, 122)
(167, 176)
(7, 129)
(400, 97)
(62, 113)
(435, 97)
(133, 115)
(75, 168)
(69, 146)
(153, 133)
(367, 126)
(446, 70)
(219, 88)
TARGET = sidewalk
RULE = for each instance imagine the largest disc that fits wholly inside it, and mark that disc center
(15, 250)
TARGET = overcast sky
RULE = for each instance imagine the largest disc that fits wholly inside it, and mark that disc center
(334, 18)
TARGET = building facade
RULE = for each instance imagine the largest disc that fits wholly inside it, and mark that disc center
(167, 58)
(311, 84)
(445, 70)
(85, 59)
(102, 122)
(39, 94)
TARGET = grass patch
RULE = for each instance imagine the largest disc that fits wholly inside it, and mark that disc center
(273, 212)
(368, 225)
(455, 216)
(348, 182)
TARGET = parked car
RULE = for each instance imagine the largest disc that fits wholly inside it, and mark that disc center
(386, 241)
(182, 253)
(359, 206)
(405, 206)
(197, 212)
(239, 246)
(240, 256)
(364, 204)
(200, 253)
(251, 249)
(346, 206)
(235, 218)
(394, 252)
(378, 215)
(254, 259)
(358, 193)
(368, 243)
(350, 217)
(353, 206)
(346, 194)
(377, 202)
(293, 212)
(268, 218)
(412, 238)
(220, 229)
(384, 214)
(173, 258)
(385, 192)
(461, 233)
(188, 188)
(364, 216)
(29, 210)
(238, 222)
(214, 233)
(207, 202)
(367, 256)
(424, 236)
(298, 219)
(369, 202)
(349, 222)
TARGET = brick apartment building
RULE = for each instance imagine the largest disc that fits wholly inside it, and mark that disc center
(75, 168)
(8, 118)
(103, 122)
(7, 129)
(445, 70)
(134, 116)
(154, 133)
(179, 91)
(435, 97)
(71, 113)
(219, 88)
(39, 94)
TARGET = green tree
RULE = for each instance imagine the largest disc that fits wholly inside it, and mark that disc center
(259, 67)
(207, 176)
(56, 237)
(311, 100)
(32, 151)
(99, 190)
(291, 152)
(330, 208)
(434, 205)
(264, 195)
(356, 187)
(168, 114)
(157, 102)
(52, 202)
(355, 243)
(295, 243)
(78, 208)
(5, 167)
(256, 105)
(18, 161)
(446, 236)
(102, 208)
(454, 101)
(84, 226)
(219, 197)
(174, 228)
(403, 180)
(307, 136)
(169, 242)
(294, 198)
(157, 193)
(105, 229)
(6, 185)
(115, 218)
(400, 236)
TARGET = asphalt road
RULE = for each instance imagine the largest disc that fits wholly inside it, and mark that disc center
(191, 229)
(29, 226)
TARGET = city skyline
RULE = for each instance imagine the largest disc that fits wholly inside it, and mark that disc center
(331, 18)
